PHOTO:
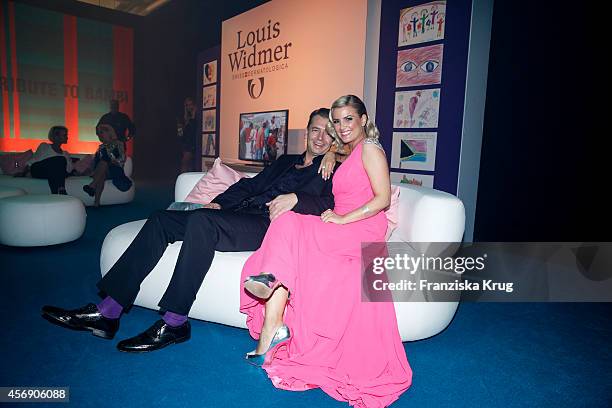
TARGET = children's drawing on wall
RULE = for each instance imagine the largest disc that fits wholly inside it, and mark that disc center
(209, 96)
(421, 180)
(209, 120)
(419, 66)
(417, 109)
(208, 144)
(414, 151)
(210, 72)
(422, 23)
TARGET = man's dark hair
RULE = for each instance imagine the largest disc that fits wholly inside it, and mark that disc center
(323, 112)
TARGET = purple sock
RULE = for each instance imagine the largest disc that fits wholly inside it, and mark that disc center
(173, 319)
(109, 308)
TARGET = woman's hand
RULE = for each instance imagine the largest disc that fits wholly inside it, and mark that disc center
(326, 168)
(330, 216)
(212, 206)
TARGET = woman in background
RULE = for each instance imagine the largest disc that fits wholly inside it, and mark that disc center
(109, 160)
(302, 288)
(51, 162)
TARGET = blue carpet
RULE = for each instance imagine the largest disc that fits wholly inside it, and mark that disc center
(506, 355)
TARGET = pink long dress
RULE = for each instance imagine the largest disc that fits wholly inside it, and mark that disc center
(350, 349)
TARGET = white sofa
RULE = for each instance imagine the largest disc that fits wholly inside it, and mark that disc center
(31, 220)
(74, 187)
(425, 215)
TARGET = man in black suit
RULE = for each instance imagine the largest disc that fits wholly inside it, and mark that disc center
(235, 220)
(120, 121)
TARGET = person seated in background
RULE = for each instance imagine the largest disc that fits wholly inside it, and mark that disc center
(108, 163)
(51, 162)
(235, 220)
(121, 122)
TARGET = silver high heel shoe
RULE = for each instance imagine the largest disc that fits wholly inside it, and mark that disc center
(262, 285)
(282, 334)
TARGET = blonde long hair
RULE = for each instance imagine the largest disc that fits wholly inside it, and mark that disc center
(353, 101)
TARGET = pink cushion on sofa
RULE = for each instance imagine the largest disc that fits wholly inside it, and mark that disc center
(216, 181)
(13, 163)
(392, 212)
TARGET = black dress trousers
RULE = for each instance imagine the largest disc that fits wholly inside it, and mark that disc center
(202, 231)
(53, 169)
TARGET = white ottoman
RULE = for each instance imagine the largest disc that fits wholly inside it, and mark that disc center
(7, 191)
(39, 220)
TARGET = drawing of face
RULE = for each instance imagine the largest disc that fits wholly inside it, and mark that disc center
(419, 66)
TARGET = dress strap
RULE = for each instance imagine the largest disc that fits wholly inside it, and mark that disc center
(374, 142)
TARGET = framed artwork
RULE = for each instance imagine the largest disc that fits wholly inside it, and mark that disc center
(210, 72)
(419, 66)
(421, 180)
(417, 109)
(209, 144)
(209, 84)
(209, 120)
(423, 23)
(262, 135)
(414, 151)
(209, 97)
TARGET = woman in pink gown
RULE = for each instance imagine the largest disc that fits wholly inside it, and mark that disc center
(302, 290)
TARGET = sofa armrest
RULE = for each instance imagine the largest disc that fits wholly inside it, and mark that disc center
(185, 182)
(428, 215)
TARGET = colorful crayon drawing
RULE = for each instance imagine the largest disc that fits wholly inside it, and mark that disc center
(209, 120)
(419, 66)
(210, 72)
(417, 109)
(209, 96)
(208, 144)
(414, 151)
(421, 180)
(422, 23)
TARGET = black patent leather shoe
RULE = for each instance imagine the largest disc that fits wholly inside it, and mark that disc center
(155, 337)
(87, 317)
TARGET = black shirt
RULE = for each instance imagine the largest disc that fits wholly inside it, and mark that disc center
(250, 195)
(287, 183)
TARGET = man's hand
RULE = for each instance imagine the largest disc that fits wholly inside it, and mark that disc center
(212, 206)
(281, 204)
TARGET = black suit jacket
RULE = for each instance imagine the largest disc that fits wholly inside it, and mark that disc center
(314, 194)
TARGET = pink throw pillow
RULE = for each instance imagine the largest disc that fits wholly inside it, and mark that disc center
(84, 166)
(215, 182)
(392, 212)
(13, 163)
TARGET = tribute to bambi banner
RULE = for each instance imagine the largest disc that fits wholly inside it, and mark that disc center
(285, 54)
(487, 271)
(58, 69)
